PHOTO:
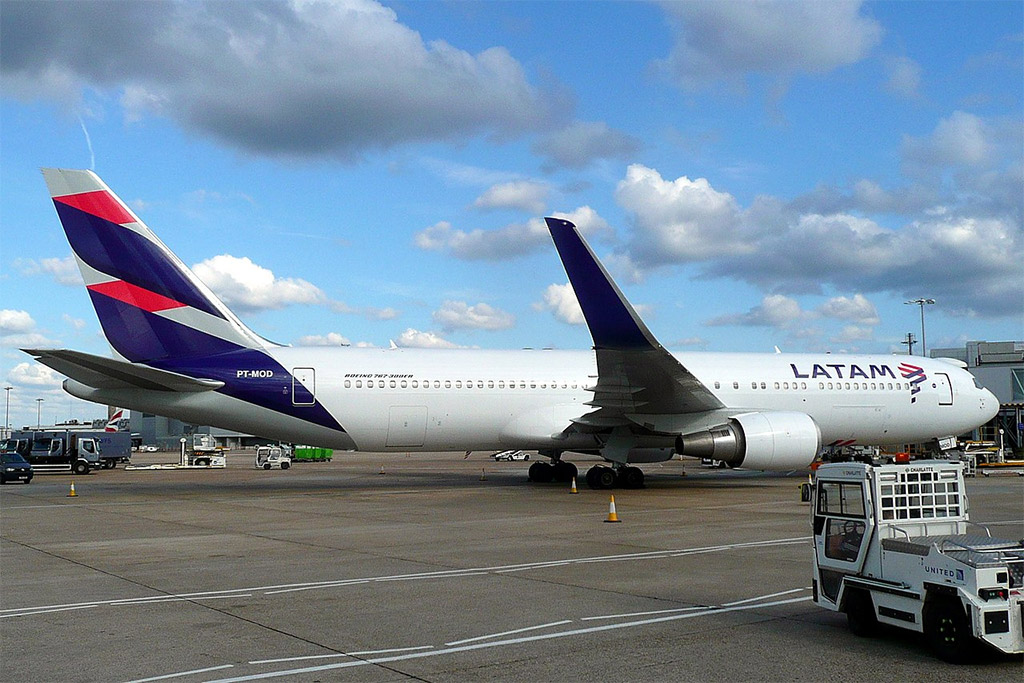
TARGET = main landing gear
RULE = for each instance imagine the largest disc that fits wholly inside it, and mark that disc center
(604, 477)
(557, 470)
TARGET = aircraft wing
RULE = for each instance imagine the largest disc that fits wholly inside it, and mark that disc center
(636, 374)
(106, 373)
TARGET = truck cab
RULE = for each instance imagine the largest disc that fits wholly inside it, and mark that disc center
(893, 544)
(59, 451)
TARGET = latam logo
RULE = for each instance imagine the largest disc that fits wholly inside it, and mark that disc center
(837, 370)
(915, 375)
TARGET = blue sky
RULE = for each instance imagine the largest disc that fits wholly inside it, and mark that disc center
(352, 172)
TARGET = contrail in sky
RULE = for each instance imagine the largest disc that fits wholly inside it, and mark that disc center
(88, 141)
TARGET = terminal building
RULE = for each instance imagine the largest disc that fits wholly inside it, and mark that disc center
(165, 433)
(999, 367)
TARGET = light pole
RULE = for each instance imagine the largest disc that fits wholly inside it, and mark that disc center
(921, 303)
(7, 413)
(39, 412)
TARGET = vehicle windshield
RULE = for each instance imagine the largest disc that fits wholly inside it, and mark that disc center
(12, 458)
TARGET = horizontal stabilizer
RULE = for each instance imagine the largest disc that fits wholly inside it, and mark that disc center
(106, 373)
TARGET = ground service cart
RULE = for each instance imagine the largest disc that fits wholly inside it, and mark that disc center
(893, 545)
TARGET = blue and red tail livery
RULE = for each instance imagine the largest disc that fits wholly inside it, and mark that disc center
(151, 306)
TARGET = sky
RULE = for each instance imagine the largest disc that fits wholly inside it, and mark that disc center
(753, 174)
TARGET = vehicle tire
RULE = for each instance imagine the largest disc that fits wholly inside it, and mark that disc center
(948, 631)
(527, 457)
(80, 467)
(285, 465)
(541, 472)
(860, 614)
(605, 477)
(565, 471)
(203, 462)
(266, 466)
(109, 464)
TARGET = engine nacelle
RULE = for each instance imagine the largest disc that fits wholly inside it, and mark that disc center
(762, 441)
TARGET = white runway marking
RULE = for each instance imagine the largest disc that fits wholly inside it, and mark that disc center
(416, 576)
(512, 632)
(362, 653)
(512, 641)
(182, 673)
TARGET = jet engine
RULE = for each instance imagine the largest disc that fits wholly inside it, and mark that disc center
(761, 441)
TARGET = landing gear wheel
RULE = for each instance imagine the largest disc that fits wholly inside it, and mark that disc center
(948, 632)
(631, 478)
(860, 614)
(541, 472)
(565, 471)
(601, 477)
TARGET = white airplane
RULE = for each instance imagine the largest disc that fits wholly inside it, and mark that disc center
(180, 352)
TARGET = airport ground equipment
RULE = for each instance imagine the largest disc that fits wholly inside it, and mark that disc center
(893, 545)
(312, 454)
(269, 457)
(56, 450)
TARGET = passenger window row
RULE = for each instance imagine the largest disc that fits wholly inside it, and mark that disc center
(457, 384)
(827, 386)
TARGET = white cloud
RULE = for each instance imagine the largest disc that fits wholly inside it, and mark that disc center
(854, 333)
(678, 220)
(34, 375)
(293, 79)
(244, 285)
(523, 195)
(64, 271)
(514, 239)
(729, 40)
(582, 142)
(775, 310)
(413, 338)
(15, 321)
(963, 139)
(904, 76)
(456, 315)
(964, 251)
(858, 309)
(562, 302)
(329, 339)
(77, 323)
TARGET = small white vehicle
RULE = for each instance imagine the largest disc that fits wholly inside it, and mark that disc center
(892, 545)
(511, 455)
(269, 457)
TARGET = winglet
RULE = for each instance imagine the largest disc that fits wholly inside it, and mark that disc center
(613, 322)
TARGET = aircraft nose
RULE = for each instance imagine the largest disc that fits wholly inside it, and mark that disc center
(989, 404)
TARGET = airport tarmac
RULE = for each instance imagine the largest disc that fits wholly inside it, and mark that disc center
(437, 568)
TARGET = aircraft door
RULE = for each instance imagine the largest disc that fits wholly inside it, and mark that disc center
(841, 532)
(407, 426)
(945, 389)
(303, 386)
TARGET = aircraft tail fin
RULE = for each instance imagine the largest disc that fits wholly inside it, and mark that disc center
(150, 305)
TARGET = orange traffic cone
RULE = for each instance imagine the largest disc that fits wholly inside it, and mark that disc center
(381, 470)
(483, 474)
(573, 489)
(612, 517)
(71, 493)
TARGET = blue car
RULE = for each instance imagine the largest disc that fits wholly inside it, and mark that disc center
(15, 468)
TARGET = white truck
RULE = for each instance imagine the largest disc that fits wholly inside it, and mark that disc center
(269, 457)
(893, 545)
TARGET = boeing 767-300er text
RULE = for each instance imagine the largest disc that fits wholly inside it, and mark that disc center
(179, 352)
